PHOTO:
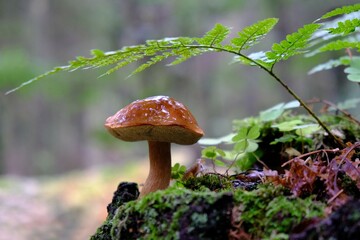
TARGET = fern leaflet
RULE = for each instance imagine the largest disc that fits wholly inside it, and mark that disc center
(251, 35)
(188, 53)
(53, 71)
(293, 44)
(341, 11)
(340, 44)
(152, 61)
(215, 36)
(122, 64)
(346, 27)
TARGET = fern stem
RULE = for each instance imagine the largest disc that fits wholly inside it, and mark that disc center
(306, 107)
(302, 103)
(288, 89)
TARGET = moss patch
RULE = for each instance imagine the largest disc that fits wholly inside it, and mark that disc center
(124, 193)
(212, 182)
(270, 210)
(175, 214)
(179, 213)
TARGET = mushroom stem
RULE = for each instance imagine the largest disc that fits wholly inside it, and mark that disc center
(160, 167)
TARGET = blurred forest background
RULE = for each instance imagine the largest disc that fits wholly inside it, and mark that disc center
(56, 125)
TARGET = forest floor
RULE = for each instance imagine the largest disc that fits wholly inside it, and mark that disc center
(70, 206)
(55, 207)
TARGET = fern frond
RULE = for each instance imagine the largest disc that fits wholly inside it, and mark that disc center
(156, 50)
(48, 73)
(340, 11)
(335, 45)
(334, 35)
(339, 44)
(130, 54)
(346, 27)
(325, 34)
(121, 64)
(294, 43)
(185, 54)
(181, 48)
(152, 61)
(251, 35)
(215, 36)
(126, 54)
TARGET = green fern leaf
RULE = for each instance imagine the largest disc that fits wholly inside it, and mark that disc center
(182, 48)
(97, 53)
(53, 71)
(341, 11)
(346, 27)
(151, 62)
(338, 45)
(293, 44)
(215, 36)
(108, 58)
(122, 64)
(251, 35)
(185, 54)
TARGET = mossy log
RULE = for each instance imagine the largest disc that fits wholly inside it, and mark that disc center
(180, 213)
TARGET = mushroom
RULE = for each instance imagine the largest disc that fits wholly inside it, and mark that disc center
(161, 120)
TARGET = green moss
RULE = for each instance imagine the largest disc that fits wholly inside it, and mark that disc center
(349, 185)
(125, 192)
(179, 213)
(270, 210)
(340, 224)
(174, 214)
(103, 232)
(212, 182)
(355, 216)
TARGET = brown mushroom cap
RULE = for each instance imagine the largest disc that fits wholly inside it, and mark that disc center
(158, 118)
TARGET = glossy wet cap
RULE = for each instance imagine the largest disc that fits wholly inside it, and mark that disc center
(158, 118)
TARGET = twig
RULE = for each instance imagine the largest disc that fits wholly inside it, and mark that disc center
(231, 165)
(310, 153)
(349, 149)
(335, 196)
(328, 103)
